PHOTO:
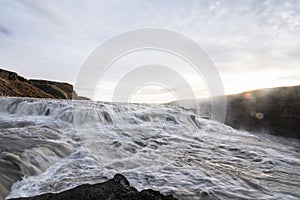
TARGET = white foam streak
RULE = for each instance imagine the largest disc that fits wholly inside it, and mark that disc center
(161, 147)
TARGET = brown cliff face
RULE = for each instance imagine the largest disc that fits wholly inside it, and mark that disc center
(11, 76)
(56, 89)
(11, 84)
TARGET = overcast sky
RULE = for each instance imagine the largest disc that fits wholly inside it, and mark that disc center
(253, 44)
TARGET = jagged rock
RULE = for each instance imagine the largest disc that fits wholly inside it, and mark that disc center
(117, 188)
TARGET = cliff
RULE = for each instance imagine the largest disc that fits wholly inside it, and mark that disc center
(56, 89)
(11, 84)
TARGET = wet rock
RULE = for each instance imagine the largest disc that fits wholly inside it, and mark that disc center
(117, 143)
(107, 117)
(171, 118)
(117, 188)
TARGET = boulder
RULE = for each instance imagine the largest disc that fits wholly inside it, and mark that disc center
(117, 188)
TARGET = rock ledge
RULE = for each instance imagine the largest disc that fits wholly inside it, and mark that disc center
(117, 188)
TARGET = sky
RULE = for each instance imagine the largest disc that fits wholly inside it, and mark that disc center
(253, 44)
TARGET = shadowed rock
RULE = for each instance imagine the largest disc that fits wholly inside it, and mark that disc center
(274, 110)
(117, 188)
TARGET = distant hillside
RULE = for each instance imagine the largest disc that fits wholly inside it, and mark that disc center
(11, 84)
(273, 110)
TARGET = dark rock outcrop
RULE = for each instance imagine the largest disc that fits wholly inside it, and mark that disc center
(117, 188)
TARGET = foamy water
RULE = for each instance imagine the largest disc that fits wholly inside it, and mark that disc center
(56, 145)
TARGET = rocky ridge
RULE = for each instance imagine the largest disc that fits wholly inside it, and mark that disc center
(11, 84)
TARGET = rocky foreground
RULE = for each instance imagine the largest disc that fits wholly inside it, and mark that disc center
(117, 188)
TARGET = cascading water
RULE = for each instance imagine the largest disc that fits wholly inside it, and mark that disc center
(54, 145)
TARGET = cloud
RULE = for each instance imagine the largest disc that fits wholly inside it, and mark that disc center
(240, 36)
(216, 5)
(5, 31)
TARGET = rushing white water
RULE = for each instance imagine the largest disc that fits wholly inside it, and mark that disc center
(56, 145)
